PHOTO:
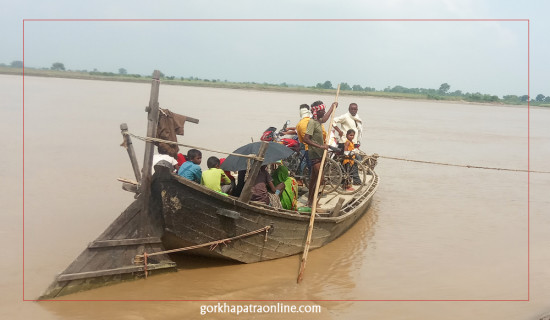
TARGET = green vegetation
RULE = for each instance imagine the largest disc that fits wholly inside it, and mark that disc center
(16, 64)
(397, 92)
(58, 66)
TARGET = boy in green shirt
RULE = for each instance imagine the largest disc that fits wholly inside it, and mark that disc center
(214, 177)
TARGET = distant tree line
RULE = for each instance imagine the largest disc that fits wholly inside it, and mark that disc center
(442, 93)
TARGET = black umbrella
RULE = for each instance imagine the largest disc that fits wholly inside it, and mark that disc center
(275, 152)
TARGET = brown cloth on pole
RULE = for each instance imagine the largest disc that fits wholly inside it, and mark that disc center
(170, 124)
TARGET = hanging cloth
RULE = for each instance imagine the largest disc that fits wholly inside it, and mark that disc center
(170, 124)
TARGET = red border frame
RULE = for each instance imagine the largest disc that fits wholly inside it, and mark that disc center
(302, 20)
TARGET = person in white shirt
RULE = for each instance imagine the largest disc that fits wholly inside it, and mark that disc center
(158, 157)
(349, 120)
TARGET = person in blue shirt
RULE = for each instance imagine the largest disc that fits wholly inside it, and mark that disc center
(191, 168)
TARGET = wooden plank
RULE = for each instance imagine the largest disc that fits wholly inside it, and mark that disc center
(228, 213)
(191, 119)
(187, 119)
(246, 194)
(337, 208)
(130, 187)
(108, 272)
(131, 153)
(152, 124)
(123, 242)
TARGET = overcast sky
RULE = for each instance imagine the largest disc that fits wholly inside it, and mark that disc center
(472, 56)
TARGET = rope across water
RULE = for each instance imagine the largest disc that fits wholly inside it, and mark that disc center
(379, 156)
(148, 139)
(460, 165)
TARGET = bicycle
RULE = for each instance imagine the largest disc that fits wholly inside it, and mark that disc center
(348, 173)
(298, 168)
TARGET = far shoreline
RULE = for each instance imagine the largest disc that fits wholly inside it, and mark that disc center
(249, 86)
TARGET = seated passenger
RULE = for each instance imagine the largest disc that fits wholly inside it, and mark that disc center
(228, 188)
(214, 177)
(191, 169)
(263, 181)
(240, 183)
(161, 156)
(289, 194)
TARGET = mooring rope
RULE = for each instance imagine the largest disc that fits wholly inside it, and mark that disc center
(140, 257)
(376, 156)
(149, 139)
(461, 165)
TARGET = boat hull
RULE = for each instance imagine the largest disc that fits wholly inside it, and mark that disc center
(194, 215)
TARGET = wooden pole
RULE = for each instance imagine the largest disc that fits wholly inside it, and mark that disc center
(246, 194)
(131, 153)
(152, 123)
(314, 206)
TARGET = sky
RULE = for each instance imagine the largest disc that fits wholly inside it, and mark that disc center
(490, 57)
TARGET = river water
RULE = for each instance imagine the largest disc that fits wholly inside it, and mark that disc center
(439, 242)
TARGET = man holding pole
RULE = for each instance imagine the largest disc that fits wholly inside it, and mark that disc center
(316, 144)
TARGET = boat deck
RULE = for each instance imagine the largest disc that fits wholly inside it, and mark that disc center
(328, 201)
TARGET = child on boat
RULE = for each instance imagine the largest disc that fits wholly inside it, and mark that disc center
(349, 158)
(191, 169)
(228, 188)
(214, 177)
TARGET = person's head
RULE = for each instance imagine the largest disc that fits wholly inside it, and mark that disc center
(318, 110)
(173, 153)
(282, 173)
(350, 134)
(213, 162)
(353, 108)
(194, 156)
(304, 111)
(164, 148)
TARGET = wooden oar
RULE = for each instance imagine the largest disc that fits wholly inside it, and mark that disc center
(314, 205)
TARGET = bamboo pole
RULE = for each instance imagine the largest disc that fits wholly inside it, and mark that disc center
(314, 206)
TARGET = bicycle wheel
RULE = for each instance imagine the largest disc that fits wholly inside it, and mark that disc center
(348, 173)
(332, 175)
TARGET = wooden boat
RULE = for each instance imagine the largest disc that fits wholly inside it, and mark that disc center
(194, 215)
(172, 212)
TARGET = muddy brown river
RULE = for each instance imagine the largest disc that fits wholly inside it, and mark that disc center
(439, 242)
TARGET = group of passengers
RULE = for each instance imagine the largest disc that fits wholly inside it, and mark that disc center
(279, 185)
(278, 182)
(214, 178)
(312, 137)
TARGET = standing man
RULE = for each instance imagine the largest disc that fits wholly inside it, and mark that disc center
(350, 120)
(316, 143)
(347, 121)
